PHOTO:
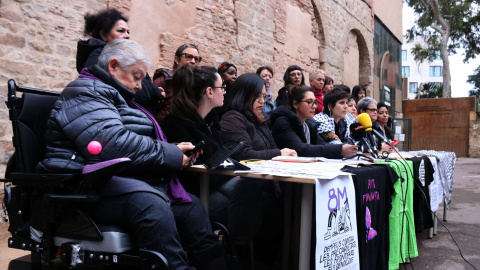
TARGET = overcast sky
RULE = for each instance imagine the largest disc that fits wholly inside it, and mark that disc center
(458, 70)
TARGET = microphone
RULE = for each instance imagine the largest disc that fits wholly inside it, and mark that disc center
(385, 140)
(366, 122)
(357, 132)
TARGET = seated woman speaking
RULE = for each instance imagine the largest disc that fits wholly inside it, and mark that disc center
(146, 199)
(334, 122)
(292, 126)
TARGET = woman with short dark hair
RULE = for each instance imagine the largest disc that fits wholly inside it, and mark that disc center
(328, 85)
(292, 127)
(187, 54)
(333, 125)
(266, 73)
(102, 27)
(293, 75)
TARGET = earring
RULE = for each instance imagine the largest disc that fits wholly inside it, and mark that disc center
(330, 113)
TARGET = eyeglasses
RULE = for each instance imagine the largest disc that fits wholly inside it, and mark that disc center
(223, 87)
(189, 57)
(295, 74)
(372, 110)
(311, 103)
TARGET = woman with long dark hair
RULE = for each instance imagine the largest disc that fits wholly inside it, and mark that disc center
(243, 121)
(382, 120)
(234, 202)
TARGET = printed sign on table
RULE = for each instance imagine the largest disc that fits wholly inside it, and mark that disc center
(337, 243)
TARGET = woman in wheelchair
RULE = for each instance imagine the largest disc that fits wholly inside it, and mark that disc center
(146, 199)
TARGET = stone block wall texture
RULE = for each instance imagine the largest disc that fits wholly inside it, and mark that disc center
(474, 139)
(38, 38)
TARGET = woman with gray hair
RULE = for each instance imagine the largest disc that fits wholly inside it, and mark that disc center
(317, 81)
(146, 199)
(369, 105)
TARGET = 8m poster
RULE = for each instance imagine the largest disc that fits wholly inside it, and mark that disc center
(336, 224)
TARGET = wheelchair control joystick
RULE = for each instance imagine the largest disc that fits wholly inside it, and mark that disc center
(94, 148)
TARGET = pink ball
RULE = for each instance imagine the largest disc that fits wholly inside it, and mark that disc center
(94, 148)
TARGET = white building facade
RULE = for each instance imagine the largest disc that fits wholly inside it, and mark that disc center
(419, 73)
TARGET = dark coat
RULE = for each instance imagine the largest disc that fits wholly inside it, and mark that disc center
(88, 52)
(96, 109)
(195, 130)
(288, 133)
(257, 140)
(282, 98)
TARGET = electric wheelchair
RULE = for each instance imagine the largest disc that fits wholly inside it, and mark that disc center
(42, 212)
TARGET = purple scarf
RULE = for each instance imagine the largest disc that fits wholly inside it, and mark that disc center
(175, 191)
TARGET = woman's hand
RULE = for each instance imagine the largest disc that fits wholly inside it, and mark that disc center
(162, 91)
(288, 152)
(388, 148)
(349, 150)
(188, 161)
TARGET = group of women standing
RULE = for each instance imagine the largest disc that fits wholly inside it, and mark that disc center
(155, 122)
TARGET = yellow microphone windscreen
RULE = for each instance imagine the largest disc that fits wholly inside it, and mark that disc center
(365, 121)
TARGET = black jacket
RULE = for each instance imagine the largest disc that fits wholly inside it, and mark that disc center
(88, 52)
(257, 140)
(288, 133)
(282, 98)
(90, 109)
(195, 130)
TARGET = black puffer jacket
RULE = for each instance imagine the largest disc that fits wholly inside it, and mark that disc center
(96, 109)
(288, 133)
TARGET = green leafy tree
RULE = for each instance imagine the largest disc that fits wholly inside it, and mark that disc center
(445, 26)
(475, 80)
(430, 90)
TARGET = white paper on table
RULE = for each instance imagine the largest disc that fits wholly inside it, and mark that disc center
(336, 224)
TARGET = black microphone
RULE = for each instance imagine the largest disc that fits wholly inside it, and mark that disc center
(385, 140)
(357, 132)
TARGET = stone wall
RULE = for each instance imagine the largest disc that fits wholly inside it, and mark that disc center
(474, 139)
(38, 38)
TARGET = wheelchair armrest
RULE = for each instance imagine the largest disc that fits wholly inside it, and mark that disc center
(75, 198)
(98, 174)
(43, 179)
